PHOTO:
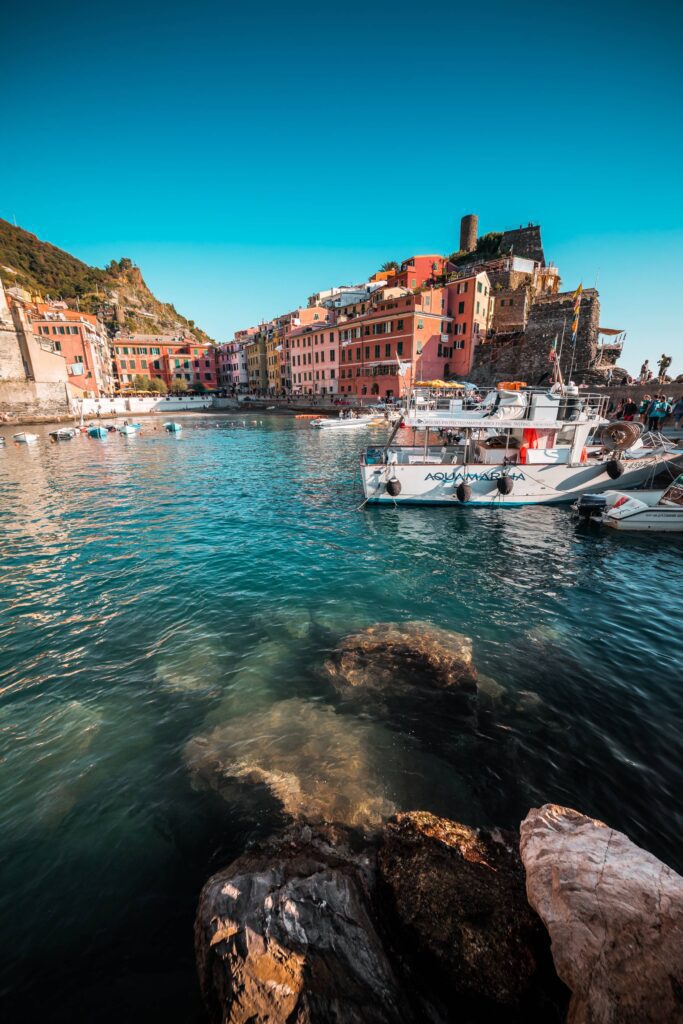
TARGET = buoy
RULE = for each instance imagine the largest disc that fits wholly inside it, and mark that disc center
(393, 487)
(463, 492)
(505, 484)
(614, 469)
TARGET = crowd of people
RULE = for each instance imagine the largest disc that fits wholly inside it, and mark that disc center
(653, 410)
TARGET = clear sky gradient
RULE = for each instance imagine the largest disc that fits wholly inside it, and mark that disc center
(247, 156)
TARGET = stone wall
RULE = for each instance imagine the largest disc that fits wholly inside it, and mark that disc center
(525, 242)
(524, 355)
(25, 401)
(11, 363)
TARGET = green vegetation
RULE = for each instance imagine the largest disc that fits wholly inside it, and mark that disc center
(391, 265)
(141, 382)
(178, 387)
(117, 294)
(487, 247)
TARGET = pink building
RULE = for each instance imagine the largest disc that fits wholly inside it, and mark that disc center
(470, 305)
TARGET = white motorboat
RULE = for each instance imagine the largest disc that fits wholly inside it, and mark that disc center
(517, 447)
(63, 434)
(128, 429)
(23, 438)
(352, 423)
(660, 510)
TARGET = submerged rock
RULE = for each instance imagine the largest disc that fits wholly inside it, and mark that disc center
(614, 914)
(454, 899)
(306, 759)
(396, 667)
(285, 935)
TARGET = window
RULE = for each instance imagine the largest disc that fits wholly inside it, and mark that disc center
(387, 350)
(399, 325)
(58, 348)
(376, 351)
(143, 364)
(132, 364)
(123, 364)
(477, 305)
(414, 283)
(399, 348)
(461, 307)
(419, 347)
(367, 351)
(479, 286)
(420, 324)
(331, 355)
(358, 354)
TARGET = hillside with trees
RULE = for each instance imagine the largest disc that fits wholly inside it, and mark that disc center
(117, 293)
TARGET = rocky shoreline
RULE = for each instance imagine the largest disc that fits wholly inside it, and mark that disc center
(352, 912)
(431, 920)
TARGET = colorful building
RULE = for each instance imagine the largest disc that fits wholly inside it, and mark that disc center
(170, 358)
(401, 338)
(257, 369)
(82, 341)
(418, 271)
(470, 306)
(315, 359)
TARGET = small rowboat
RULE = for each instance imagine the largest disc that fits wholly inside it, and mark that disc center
(63, 434)
(173, 428)
(129, 428)
(23, 438)
(99, 432)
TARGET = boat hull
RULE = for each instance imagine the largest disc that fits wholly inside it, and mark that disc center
(661, 520)
(532, 485)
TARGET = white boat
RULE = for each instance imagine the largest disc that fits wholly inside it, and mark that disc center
(63, 434)
(127, 429)
(23, 438)
(640, 511)
(352, 423)
(517, 447)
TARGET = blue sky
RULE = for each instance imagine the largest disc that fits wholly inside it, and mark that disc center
(247, 156)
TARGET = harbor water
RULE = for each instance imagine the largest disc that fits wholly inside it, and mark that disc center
(162, 594)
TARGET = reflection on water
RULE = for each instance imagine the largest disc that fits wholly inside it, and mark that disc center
(166, 607)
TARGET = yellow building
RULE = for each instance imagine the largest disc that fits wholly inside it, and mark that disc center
(256, 363)
(273, 351)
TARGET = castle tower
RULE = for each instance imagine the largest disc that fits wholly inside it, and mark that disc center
(469, 225)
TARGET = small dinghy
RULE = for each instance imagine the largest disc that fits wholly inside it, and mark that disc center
(63, 434)
(99, 432)
(128, 428)
(636, 510)
(23, 438)
(173, 428)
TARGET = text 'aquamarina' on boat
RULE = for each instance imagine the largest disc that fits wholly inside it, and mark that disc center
(518, 446)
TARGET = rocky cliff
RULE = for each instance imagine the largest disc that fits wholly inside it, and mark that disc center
(116, 293)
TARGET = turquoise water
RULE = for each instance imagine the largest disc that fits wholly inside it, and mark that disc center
(155, 589)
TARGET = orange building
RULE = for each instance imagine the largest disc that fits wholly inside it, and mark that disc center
(82, 341)
(418, 271)
(400, 338)
(170, 358)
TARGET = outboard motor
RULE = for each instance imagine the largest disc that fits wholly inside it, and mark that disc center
(591, 506)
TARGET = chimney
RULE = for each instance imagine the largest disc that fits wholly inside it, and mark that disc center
(468, 232)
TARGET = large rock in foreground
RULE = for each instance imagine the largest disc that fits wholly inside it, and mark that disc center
(614, 914)
(401, 666)
(285, 935)
(454, 898)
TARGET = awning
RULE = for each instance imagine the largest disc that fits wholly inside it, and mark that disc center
(610, 330)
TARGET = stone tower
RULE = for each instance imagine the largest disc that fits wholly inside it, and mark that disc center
(468, 232)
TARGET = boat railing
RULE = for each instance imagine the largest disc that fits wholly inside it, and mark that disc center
(561, 404)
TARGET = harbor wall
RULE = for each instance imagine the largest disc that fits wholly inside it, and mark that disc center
(26, 401)
(142, 406)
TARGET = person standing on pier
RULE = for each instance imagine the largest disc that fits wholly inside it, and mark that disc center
(644, 370)
(663, 364)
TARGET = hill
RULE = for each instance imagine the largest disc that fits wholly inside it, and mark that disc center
(116, 293)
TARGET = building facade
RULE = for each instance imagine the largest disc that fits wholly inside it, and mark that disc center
(170, 358)
(83, 342)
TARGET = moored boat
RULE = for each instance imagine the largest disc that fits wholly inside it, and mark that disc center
(173, 428)
(322, 423)
(23, 438)
(516, 447)
(99, 432)
(63, 434)
(128, 428)
(637, 511)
